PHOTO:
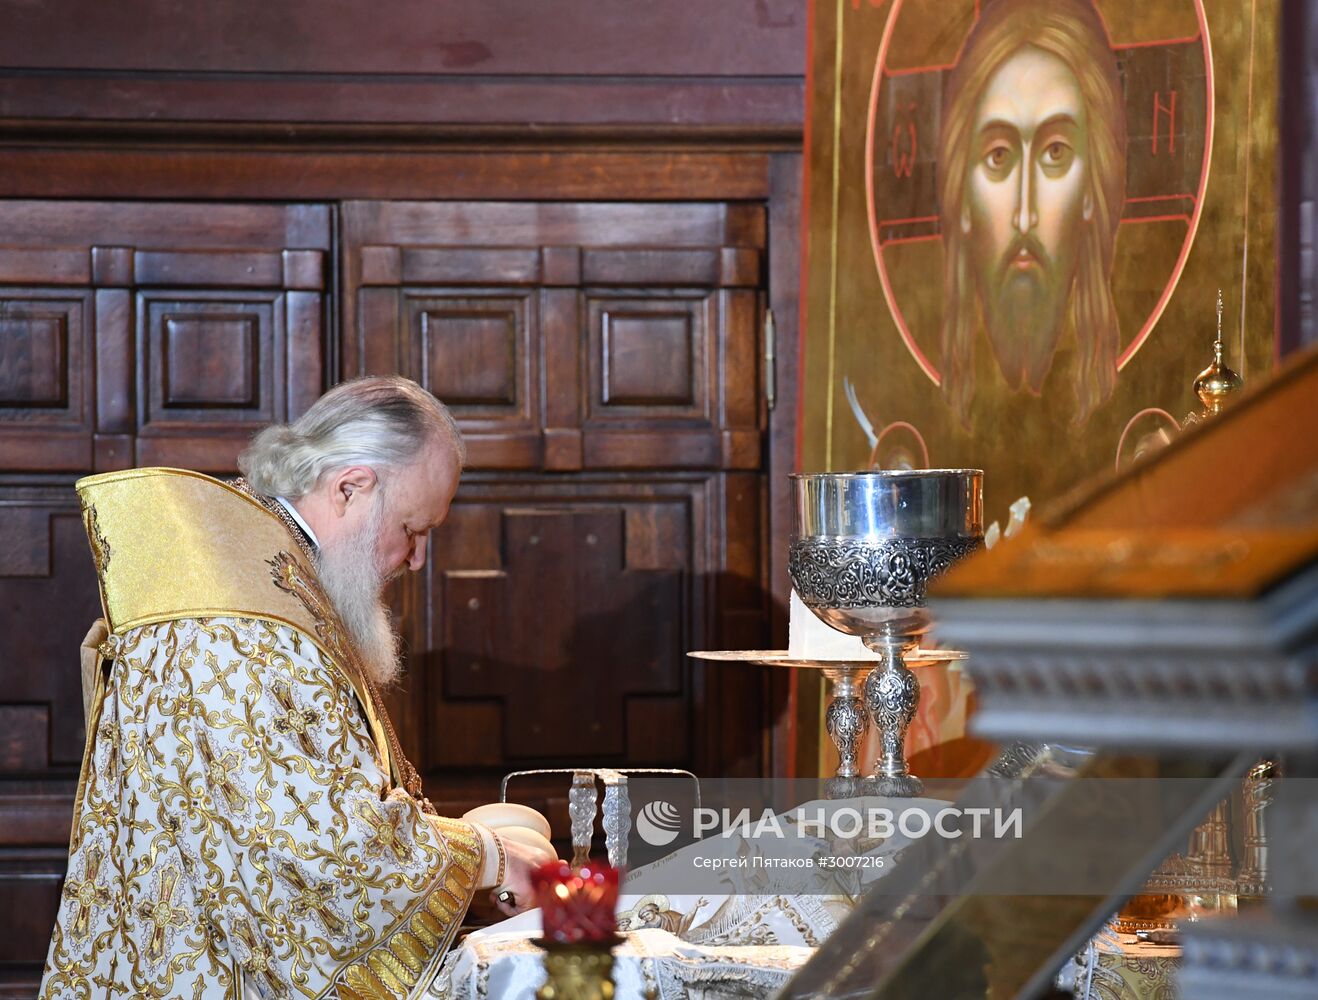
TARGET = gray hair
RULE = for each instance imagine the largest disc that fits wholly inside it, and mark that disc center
(380, 421)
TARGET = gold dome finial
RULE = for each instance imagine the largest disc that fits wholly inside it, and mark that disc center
(1218, 381)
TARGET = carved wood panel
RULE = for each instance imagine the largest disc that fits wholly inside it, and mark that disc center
(558, 617)
(603, 362)
(46, 386)
(35, 362)
(47, 583)
(155, 333)
(646, 324)
(209, 360)
(649, 358)
(566, 599)
(129, 334)
(552, 623)
(476, 349)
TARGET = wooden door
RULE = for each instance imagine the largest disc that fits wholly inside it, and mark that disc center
(130, 333)
(603, 360)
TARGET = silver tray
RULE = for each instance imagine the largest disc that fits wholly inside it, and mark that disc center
(779, 658)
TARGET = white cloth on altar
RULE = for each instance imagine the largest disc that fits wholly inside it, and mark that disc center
(745, 940)
(649, 963)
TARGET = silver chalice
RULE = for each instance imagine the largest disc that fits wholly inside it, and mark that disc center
(864, 547)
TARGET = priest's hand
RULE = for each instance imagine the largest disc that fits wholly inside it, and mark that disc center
(515, 895)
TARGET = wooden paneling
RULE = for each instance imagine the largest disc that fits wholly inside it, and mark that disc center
(470, 351)
(42, 356)
(470, 252)
(650, 355)
(31, 902)
(735, 64)
(561, 612)
(603, 362)
(333, 172)
(479, 349)
(602, 224)
(561, 595)
(46, 390)
(155, 333)
(34, 832)
(129, 333)
(48, 593)
(475, 352)
(645, 325)
(24, 745)
(209, 360)
(34, 364)
(496, 37)
(65, 231)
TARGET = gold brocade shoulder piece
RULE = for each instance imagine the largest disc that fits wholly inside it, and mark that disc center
(171, 544)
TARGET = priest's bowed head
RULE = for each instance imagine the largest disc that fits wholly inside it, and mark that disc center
(246, 824)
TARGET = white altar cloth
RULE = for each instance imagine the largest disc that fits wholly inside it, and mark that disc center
(650, 964)
(745, 941)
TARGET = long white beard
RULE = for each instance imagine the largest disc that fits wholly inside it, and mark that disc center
(355, 586)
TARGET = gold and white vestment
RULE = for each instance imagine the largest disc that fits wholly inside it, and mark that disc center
(242, 825)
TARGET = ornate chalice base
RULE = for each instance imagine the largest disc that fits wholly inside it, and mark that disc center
(876, 589)
(847, 717)
(846, 722)
(892, 695)
(864, 547)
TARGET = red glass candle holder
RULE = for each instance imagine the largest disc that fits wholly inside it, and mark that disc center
(577, 905)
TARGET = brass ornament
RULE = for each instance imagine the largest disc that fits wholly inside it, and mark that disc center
(581, 971)
(1218, 382)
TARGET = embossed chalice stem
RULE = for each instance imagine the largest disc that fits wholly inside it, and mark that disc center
(892, 696)
(864, 548)
(845, 722)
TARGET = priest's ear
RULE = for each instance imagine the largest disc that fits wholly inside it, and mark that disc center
(354, 484)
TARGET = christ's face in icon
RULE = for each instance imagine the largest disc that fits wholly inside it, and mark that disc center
(1025, 207)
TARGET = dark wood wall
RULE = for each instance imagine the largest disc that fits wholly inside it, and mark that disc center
(568, 220)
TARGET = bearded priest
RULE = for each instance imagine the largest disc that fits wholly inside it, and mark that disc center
(246, 825)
